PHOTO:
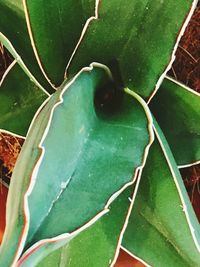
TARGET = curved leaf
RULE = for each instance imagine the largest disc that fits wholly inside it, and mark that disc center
(95, 246)
(177, 110)
(56, 27)
(88, 138)
(163, 229)
(19, 100)
(134, 38)
(19, 183)
(13, 26)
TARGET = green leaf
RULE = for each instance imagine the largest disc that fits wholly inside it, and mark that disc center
(19, 100)
(56, 27)
(134, 38)
(177, 110)
(81, 152)
(13, 26)
(96, 246)
(19, 183)
(163, 229)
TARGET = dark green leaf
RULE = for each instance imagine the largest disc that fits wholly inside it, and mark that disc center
(56, 28)
(19, 100)
(177, 109)
(13, 26)
(163, 229)
(134, 38)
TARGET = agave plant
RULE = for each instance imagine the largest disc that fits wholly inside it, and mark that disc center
(106, 131)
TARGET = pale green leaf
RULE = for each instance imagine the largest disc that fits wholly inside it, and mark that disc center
(82, 150)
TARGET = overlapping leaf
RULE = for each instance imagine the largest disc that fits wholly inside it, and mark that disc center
(75, 163)
(13, 26)
(56, 28)
(177, 109)
(134, 38)
(163, 229)
(19, 100)
(83, 249)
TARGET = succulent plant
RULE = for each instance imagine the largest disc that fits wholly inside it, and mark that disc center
(106, 131)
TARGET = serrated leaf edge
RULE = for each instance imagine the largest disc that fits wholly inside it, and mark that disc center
(38, 163)
(89, 20)
(136, 178)
(76, 47)
(132, 201)
(138, 173)
(36, 169)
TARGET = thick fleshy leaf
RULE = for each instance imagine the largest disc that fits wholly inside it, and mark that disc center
(96, 246)
(134, 38)
(19, 100)
(13, 26)
(163, 229)
(19, 183)
(177, 110)
(56, 28)
(88, 138)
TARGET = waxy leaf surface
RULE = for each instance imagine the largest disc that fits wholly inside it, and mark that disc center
(19, 100)
(158, 231)
(81, 152)
(134, 38)
(177, 110)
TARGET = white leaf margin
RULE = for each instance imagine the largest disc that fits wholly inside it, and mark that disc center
(16, 261)
(173, 56)
(138, 173)
(75, 49)
(196, 94)
(4, 40)
(192, 228)
(179, 184)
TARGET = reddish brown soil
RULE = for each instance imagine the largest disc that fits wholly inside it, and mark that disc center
(5, 60)
(3, 197)
(124, 260)
(191, 178)
(186, 67)
(10, 147)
